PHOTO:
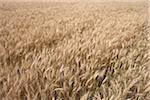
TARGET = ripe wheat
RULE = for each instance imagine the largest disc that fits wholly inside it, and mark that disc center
(72, 51)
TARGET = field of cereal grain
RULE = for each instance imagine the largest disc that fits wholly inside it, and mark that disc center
(74, 51)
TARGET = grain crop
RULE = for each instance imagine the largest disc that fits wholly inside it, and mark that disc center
(74, 51)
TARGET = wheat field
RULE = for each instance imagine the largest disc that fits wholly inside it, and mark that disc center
(74, 51)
